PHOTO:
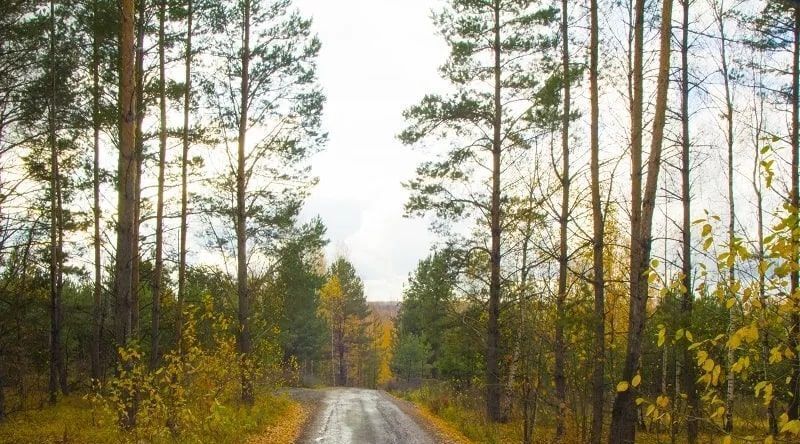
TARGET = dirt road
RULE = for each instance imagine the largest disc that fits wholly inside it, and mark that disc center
(359, 416)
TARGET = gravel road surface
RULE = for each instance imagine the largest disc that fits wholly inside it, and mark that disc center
(360, 416)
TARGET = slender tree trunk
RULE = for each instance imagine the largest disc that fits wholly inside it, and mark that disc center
(687, 299)
(241, 216)
(598, 280)
(187, 103)
(96, 366)
(624, 413)
(333, 357)
(506, 401)
(139, 146)
(493, 385)
(729, 136)
(2, 396)
(127, 182)
(560, 346)
(762, 289)
(664, 368)
(794, 276)
(162, 154)
(62, 365)
(526, 399)
(340, 351)
(57, 364)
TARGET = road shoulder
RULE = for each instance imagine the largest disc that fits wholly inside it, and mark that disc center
(435, 426)
(311, 400)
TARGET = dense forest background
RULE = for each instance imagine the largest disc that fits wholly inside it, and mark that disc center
(613, 186)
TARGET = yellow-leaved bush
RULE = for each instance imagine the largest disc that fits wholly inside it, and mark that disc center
(760, 347)
(189, 395)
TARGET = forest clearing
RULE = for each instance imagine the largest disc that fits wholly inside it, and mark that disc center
(418, 221)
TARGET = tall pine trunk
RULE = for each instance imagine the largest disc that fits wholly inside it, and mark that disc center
(57, 364)
(158, 270)
(493, 385)
(598, 279)
(688, 373)
(560, 346)
(97, 303)
(187, 103)
(241, 216)
(624, 413)
(127, 183)
(139, 147)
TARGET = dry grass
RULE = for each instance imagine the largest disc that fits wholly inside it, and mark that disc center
(451, 433)
(273, 420)
(287, 430)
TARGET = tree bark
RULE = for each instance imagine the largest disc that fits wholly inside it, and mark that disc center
(96, 366)
(729, 356)
(762, 289)
(241, 215)
(57, 364)
(493, 385)
(624, 413)
(506, 401)
(162, 154)
(139, 147)
(187, 102)
(127, 182)
(598, 280)
(688, 372)
(2, 397)
(340, 351)
(794, 276)
(559, 347)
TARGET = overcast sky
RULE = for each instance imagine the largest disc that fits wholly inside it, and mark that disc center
(378, 57)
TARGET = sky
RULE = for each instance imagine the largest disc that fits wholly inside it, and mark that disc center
(378, 57)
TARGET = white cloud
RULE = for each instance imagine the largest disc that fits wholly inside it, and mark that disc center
(378, 57)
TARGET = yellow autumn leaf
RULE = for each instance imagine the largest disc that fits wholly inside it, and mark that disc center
(622, 386)
(792, 427)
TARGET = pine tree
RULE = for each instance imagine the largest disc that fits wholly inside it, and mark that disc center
(498, 101)
(267, 84)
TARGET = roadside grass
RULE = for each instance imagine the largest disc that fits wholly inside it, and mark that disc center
(273, 420)
(463, 416)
